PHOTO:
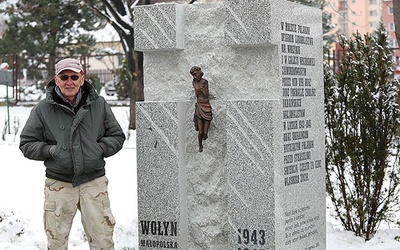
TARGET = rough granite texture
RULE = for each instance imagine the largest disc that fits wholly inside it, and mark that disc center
(237, 193)
(159, 27)
(247, 23)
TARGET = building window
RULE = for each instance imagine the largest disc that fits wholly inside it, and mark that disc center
(373, 24)
(390, 10)
(372, 2)
(342, 5)
(373, 13)
(391, 26)
(343, 28)
(394, 43)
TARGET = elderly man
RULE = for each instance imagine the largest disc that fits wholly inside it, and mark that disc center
(4, 66)
(72, 130)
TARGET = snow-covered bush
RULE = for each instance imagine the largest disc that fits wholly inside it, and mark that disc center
(362, 122)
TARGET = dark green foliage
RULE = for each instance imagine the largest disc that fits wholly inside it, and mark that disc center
(124, 84)
(362, 119)
(49, 28)
(95, 81)
(42, 27)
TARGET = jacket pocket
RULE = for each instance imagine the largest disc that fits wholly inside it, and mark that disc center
(93, 158)
(61, 161)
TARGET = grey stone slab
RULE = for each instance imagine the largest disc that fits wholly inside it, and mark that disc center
(161, 176)
(158, 27)
(250, 160)
(248, 22)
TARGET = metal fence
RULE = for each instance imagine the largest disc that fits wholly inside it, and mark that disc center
(31, 73)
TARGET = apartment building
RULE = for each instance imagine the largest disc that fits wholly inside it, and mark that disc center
(388, 21)
(351, 16)
(363, 16)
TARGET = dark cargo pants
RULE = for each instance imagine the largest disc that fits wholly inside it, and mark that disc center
(61, 203)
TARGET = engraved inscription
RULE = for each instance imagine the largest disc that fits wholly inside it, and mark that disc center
(298, 141)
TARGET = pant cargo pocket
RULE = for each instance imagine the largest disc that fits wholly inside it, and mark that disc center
(50, 219)
(109, 221)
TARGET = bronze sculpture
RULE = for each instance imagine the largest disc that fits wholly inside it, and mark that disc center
(203, 111)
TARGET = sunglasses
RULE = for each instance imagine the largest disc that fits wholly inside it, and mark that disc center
(65, 77)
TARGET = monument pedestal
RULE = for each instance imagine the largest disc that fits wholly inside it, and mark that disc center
(260, 181)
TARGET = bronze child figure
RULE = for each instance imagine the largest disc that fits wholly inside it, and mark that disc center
(203, 111)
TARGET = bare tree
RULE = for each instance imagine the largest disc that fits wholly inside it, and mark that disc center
(119, 13)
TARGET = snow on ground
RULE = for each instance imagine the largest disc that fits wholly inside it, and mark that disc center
(21, 192)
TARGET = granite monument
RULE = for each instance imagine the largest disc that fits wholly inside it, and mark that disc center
(260, 181)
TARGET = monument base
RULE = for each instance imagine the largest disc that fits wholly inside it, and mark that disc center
(234, 194)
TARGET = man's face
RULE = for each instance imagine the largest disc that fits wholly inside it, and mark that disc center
(69, 83)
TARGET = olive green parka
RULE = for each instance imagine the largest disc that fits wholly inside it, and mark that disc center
(82, 138)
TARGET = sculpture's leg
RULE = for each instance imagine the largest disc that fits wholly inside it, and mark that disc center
(200, 142)
(200, 136)
(205, 133)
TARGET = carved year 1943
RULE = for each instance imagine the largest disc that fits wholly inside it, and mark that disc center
(251, 239)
